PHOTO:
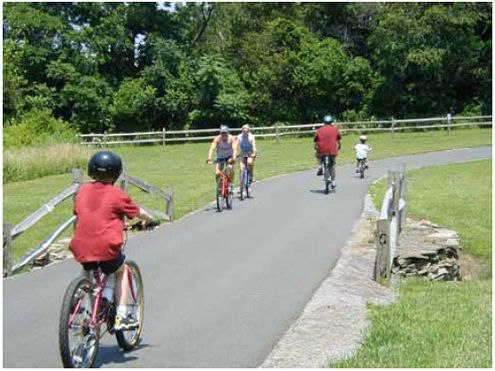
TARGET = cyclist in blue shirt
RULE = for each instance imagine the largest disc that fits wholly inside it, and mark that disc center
(246, 147)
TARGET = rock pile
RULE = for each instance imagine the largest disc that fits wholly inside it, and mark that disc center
(427, 250)
(57, 251)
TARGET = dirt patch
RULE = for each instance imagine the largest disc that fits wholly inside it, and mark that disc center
(473, 268)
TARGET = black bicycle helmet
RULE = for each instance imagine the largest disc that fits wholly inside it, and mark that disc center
(106, 164)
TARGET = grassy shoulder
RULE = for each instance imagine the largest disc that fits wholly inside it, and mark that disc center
(442, 324)
(183, 167)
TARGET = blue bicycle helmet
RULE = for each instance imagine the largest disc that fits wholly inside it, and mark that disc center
(224, 129)
(328, 119)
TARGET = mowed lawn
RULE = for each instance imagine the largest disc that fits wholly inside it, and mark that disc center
(441, 324)
(184, 168)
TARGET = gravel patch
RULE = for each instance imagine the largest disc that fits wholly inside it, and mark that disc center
(334, 321)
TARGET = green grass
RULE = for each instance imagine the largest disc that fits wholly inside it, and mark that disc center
(441, 324)
(434, 325)
(184, 168)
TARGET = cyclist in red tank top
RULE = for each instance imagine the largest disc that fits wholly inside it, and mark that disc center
(327, 142)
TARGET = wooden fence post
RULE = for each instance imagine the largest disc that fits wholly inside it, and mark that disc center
(392, 127)
(124, 183)
(105, 137)
(276, 132)
(382, 262)
(163, 136)
(7, 249)
(449, 122)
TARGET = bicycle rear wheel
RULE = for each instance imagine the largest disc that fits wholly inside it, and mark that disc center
(361, 169)
(78, 341)
(128, 339)
(326, 174)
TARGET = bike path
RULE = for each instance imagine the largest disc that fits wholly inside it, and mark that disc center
(220, 288)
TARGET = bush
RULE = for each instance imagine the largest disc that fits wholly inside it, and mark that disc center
(38, 127)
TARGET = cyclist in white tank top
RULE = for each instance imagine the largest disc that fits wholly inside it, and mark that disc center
(224, 144)
(246, 147)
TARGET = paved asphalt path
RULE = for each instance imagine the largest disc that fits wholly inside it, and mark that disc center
(220, 288)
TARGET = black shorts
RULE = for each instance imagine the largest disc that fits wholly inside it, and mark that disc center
(331, 158)
(107, 266)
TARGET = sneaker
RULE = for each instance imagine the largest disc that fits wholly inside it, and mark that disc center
(357, 170)
(366, 166)
(319, 172)
(126, 323)
(334, 184)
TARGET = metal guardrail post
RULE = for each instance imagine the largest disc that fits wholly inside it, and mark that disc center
(7, 249)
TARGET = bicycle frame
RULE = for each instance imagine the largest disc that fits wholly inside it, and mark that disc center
(100, 285)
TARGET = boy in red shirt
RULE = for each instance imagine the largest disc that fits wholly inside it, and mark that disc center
(327, 142)
(100, 208)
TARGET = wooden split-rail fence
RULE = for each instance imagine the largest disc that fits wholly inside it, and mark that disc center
(278, 131)
(389, 224)
(10, 233)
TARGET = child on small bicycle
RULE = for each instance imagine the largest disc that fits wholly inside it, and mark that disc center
(100, 208)
(362, 150)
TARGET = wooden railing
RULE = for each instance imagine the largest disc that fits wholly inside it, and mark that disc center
(389, 224)
(10, 233)
(278, 131)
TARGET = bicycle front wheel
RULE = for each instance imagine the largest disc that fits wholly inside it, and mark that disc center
(128, 339)
(219, 195)
(78, 339)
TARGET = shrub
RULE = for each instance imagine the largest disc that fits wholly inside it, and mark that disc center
(38, 127)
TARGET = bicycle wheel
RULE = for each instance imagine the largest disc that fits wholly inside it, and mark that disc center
(361, 168)
(128, 339)
(242, 193)
(247, 183)
(219, 195)
(78, 341)
(326, 175)
(229, 197)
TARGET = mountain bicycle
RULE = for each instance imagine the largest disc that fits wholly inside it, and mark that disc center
(246, 180)
(85, 312)
(326, 162)
(224, 191)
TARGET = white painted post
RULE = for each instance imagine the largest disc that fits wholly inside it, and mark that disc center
(449, 122)
(163, 136)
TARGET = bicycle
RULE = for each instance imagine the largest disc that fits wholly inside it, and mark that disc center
(361, 167)
(246, 180)
(224, 191)
(84, 311)
(327, 176)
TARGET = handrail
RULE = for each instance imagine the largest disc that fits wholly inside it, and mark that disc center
(77, 174)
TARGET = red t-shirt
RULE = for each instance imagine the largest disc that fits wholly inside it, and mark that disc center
(327, 138)
(100, 209)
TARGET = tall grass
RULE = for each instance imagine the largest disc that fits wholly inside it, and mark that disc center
(35, 162)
